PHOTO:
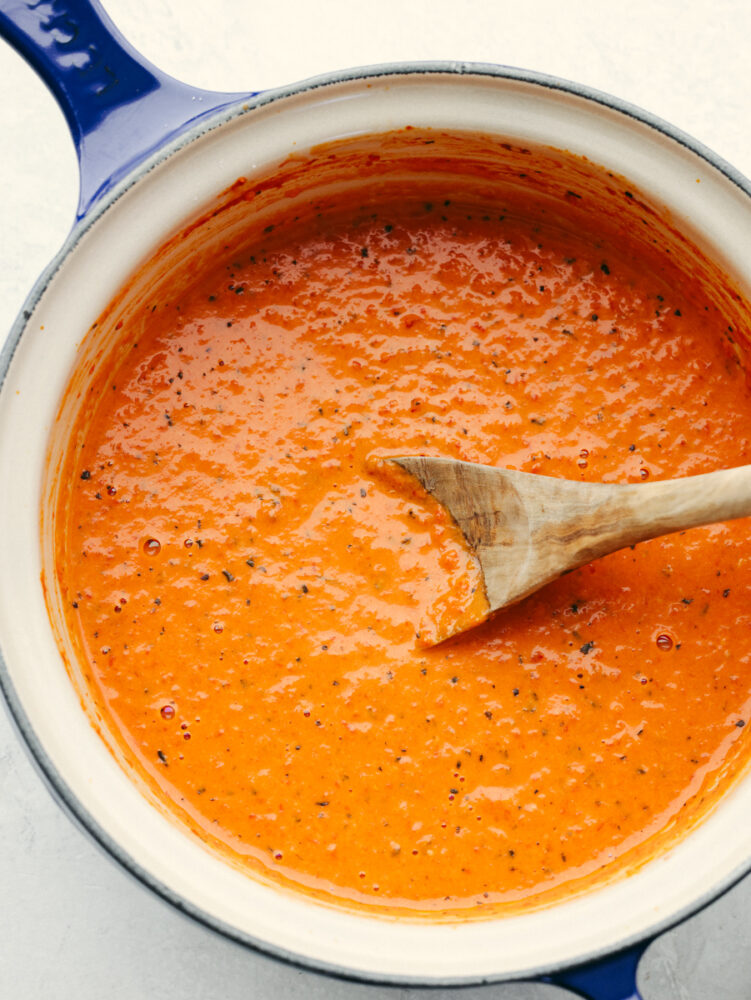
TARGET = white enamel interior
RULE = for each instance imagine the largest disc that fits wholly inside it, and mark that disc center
(86, 280)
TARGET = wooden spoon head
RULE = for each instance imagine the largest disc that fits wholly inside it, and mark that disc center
(489, 507)
(525, 530)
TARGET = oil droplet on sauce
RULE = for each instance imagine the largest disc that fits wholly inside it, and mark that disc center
(664, 641)
(152, 547)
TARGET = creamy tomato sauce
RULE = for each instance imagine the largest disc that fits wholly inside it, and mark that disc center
(246, 594)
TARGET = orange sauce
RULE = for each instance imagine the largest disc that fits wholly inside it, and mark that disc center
(246, 595)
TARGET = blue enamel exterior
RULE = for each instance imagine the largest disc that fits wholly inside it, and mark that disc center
(612, 978)
(118, 106)
(121, 110)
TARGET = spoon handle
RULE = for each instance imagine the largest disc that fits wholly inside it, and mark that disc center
(659, 508)
(570, 524)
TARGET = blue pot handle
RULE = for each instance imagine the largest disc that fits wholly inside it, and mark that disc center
(611, 978)
(119, 107)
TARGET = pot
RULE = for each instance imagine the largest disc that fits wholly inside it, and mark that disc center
(153, 152)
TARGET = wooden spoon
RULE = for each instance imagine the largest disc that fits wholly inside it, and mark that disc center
(527, 530)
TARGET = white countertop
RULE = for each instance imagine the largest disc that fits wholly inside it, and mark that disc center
(73, 926)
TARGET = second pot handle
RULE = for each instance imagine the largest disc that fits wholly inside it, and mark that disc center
(611, 978)
(119, 107)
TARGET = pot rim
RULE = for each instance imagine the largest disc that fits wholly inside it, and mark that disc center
(57, 784)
